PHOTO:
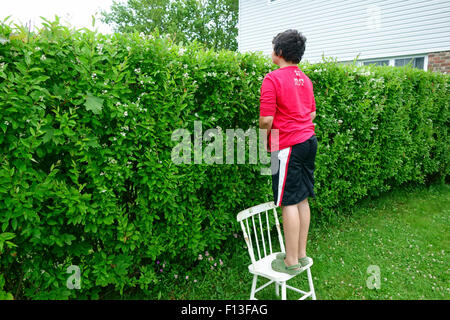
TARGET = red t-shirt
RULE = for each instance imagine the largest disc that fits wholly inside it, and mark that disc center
(287, 95)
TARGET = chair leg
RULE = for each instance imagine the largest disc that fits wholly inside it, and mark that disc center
(311, 285)
(277, 289)
(252, 294)
(283, 290)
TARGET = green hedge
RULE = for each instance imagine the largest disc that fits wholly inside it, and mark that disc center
(86, 174)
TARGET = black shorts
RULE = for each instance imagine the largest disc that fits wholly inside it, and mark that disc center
(293, 180)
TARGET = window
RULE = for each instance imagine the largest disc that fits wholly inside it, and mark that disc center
(377, 63)
(419, 62)
(415, 62)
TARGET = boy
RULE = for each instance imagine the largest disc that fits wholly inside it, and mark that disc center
(287, 104)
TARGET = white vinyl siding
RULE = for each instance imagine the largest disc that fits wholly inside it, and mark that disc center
(346, 29)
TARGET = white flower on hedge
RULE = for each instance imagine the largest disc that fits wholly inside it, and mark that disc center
(196, 114)
(137, 70)
(6, 122)
(185, 66)
(340, 121)
(128, 48)
(125, 114)
(123, 133)
(181, 51)
(100, 48)
(186, 75)
(103, 191)
(37, 48)
(43, 57)
(94, 75)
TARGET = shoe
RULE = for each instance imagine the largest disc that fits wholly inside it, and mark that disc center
(279, 266)
(304, 261)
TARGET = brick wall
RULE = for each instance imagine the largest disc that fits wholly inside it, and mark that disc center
(439, 62)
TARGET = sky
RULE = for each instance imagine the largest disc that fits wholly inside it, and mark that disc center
(72, 13)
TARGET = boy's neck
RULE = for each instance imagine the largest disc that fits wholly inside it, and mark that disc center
(284, 64)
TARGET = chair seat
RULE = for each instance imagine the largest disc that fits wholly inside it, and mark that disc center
(263, 267)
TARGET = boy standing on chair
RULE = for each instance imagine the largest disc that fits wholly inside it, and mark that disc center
(287, 104)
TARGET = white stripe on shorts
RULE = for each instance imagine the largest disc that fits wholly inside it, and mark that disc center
(283, 155)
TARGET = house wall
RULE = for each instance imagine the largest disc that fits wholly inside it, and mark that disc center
(346, 29)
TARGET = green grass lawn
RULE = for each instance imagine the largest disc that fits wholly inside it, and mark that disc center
(403, 232)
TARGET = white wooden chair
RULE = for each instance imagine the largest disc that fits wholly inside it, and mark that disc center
(262, 266)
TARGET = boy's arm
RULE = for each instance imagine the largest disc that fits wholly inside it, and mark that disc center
(266, 123)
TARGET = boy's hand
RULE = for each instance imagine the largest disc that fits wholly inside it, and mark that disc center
(313, 115)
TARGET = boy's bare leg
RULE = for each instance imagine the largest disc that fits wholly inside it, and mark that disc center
(304, 218)
(291, 227)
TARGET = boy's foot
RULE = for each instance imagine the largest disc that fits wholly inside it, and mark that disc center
(303, 261)
(279, 266)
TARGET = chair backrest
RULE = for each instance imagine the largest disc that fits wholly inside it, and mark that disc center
(249, 214)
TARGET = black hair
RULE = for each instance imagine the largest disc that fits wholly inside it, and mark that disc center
(290, 45)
